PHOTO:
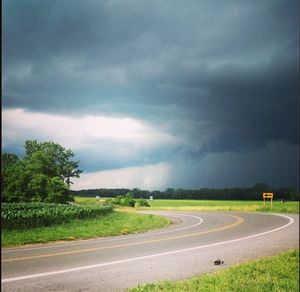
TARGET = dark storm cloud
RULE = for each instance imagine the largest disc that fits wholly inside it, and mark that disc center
(221, 74)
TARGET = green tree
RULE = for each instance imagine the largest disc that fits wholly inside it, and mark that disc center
(43, 175)
(57, 191)
(128, 200)
(37, 186)
(16, 178)
(52, 160)
(9, 159)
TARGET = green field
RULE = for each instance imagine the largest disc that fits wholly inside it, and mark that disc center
(89, 200)
(277, 273)
(222, 205)
(211, 205)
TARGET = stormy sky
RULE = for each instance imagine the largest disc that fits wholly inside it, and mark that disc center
(156, 94)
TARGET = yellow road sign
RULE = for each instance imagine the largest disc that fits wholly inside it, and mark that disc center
(268, 195)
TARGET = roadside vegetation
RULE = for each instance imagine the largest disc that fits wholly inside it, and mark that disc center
(276, 273)
(127, 201)
(114, 223)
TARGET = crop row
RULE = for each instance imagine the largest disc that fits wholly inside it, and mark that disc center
(27, 215)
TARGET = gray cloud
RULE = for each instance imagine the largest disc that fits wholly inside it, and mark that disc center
(275, 163)
(223, 76)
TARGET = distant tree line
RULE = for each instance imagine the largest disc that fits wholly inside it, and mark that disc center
(247, 193)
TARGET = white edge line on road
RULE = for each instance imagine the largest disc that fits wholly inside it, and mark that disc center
(103, 239)
(291, 221)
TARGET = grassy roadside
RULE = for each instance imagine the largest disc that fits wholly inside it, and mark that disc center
(116, 223)
(276, 273)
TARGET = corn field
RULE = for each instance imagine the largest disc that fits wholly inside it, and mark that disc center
(28, 215)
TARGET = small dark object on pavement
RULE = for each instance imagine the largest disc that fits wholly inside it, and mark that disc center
(218, 262)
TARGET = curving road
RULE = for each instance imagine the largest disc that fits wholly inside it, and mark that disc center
(186, 248)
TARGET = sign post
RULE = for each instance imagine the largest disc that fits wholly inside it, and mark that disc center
(268, 196)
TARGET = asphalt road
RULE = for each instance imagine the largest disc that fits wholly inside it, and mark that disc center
(186, 248)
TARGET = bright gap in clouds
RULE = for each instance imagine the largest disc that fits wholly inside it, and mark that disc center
(79, 133)
(149, 177)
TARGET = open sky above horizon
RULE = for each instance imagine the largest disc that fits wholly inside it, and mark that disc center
(156, 94)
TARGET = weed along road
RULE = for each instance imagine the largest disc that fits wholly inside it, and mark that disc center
(186, 248)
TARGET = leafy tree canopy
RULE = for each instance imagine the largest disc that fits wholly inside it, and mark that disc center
(44, 174)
